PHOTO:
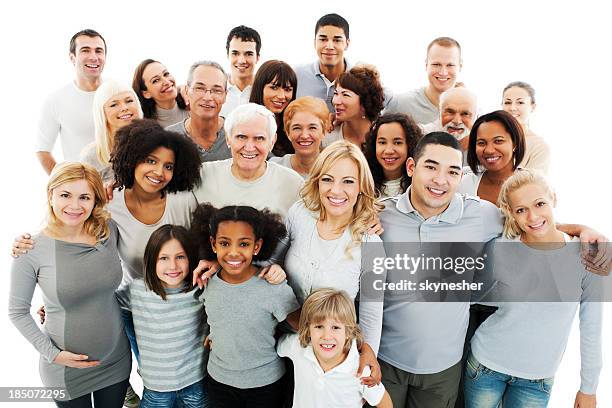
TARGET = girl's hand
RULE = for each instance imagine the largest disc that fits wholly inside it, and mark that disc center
(22, 245)
(368, 358)
(204, 271)
(375, 226)
(109, 190)
(585, 400)
(69, 359)
(273, 274)
(208, 343)
(41, 314)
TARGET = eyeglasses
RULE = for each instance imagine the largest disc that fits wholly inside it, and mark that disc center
(214, 92)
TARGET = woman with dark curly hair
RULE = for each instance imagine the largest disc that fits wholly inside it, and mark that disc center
(274, 87)
(158, 94)
(389, 144)
(358, 100)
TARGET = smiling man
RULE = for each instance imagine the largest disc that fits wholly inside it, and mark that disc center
(243, 46)
(67, 112)
(331, 41)
(443, 63)
(206, 92)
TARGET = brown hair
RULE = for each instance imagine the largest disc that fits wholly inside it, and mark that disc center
(333, 304)
(364, 80)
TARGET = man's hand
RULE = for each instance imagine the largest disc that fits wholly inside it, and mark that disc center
(368, 358)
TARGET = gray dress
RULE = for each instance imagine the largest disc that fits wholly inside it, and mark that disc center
(78, 283)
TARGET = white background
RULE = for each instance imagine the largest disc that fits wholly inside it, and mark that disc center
(561, 49)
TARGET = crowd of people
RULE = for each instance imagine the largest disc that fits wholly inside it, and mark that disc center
(219, 231)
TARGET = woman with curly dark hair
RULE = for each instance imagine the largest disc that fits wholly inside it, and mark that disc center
(358, 100)
(158, 94)
(390, 142)
(274, 87)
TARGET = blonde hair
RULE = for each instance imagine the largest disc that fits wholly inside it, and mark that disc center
(310, 104)
(365, 208)
(334, 304)
(519, 179)
(104, 139)
(97, 223)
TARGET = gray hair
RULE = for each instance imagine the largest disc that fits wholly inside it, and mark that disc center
(204, 63)
(249, 111)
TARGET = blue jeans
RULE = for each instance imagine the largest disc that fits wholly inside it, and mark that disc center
(486, 388)
(192, 396)
(128, 325)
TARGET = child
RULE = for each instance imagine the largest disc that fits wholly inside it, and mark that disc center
(325, 356)
(168, 322)
(243, 310)
(516, 352)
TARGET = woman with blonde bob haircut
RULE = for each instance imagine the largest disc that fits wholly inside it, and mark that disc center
(76, 264)
(517, 350)
(328, 232)
(305, 121)
(115, 105)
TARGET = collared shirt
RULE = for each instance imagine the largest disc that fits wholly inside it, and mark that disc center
(311, 82)
(217, 151)
(338, 387)
(427, 338)
(234, 98)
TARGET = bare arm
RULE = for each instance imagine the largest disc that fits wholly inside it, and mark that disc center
(46, 161)
(385, 402)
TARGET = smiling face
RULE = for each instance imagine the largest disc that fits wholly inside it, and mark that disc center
(328, 339)
(160, 84)
(89, 57)
(391, 149)
(435, 179)
(442, 65)
(305, 133)
(339, 188)
(242, 57)
(532, 208)
(457, 115)
(330, 44)
(120, 110)
(72, 203)
(347, 104)
(277, 97)
(206, 93)
(494, 147)
(172, 265)
(250, 145)
(518, 103)
(235, 245)
(154, 174)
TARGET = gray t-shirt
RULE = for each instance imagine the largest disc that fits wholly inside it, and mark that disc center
(242, 319)
(219, 149)
(416, 104)
(168, 117)
(78, 283)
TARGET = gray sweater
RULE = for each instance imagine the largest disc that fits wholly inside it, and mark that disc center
(78, 283)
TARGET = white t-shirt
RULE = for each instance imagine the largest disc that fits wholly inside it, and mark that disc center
(391, 188)
(235, 97)
(277, 189)
(134, 235)
(67, 112)
(339, 387)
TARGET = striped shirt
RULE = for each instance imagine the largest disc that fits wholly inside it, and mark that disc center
(170, 336)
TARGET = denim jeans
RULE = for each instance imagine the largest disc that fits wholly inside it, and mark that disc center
(128, 325)
(192, 396)
(486, 388)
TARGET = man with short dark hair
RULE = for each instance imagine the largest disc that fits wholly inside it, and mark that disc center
(442, 63)
(68, 111)
(243, 46)
(331, 41)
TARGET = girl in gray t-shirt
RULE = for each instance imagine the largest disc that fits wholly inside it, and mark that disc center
(243, 310)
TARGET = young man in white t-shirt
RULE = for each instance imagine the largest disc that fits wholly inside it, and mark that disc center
(68, 111)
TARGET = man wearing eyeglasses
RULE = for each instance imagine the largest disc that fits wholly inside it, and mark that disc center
(206, 92)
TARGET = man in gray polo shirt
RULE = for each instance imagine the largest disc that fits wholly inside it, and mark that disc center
(331, 41)
(443, 63)
(422, 344)
(206, 91)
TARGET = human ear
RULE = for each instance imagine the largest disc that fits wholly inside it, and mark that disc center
(410, 165)
(257, 246)
(212, 244)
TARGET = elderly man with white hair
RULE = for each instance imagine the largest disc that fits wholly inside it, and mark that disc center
(247, 178)
(457, 115)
